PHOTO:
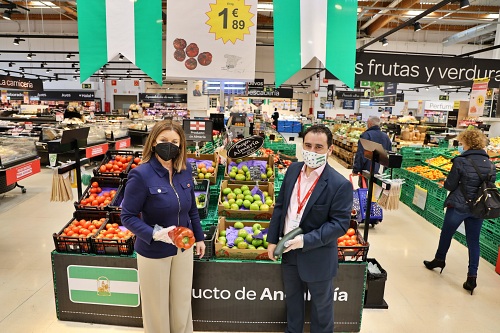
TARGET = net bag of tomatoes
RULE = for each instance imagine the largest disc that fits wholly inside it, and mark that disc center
(182, 237)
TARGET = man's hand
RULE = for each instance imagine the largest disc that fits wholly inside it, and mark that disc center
(270, 251)
(296, 243)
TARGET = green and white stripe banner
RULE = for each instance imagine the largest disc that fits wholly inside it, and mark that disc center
(104, 285)
(325, 29)
(109, 27)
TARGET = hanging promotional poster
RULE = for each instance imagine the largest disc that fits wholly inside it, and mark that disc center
(478, 97)
(211, 39)
(195, 98)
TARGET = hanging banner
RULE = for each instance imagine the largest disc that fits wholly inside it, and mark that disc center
(348, 104)
(305, 29)
(107, 28)
(422, 69)
(195, 98)
(65, 96)
(218, 41)
(257, 84)
(349, 94)
(163, 98)
(330, 92)
(390, 88)
(478, 97)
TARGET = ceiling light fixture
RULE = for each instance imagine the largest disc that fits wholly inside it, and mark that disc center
(11, 63)
(427, 88)
(48, 71)
(119, 79)
(417, 26)
(42, 65)
(384, 41)
(7, 14)
(68, 57)
(120, 57)
(18, 40)
(73, 65)
(30, 55)
(464, 4)
(22, 69)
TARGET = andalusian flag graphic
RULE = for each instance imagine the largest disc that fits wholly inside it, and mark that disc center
(109, 27)
(103, 285)
(325, 29)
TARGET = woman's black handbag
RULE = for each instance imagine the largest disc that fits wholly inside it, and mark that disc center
(487, 203)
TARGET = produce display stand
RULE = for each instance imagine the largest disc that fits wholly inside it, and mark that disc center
(9, 177)
(234, 296)
(228, 294)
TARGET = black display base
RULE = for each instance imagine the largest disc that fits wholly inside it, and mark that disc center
(384, 306)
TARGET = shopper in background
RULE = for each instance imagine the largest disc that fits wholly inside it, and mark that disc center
(373, 133)
(275, 117)
(463, 179)
(159, 195)
(317, 198)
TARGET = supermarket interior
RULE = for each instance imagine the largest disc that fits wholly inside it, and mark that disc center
(245, 80)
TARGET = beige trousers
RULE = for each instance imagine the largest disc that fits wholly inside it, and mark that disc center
(166, 286)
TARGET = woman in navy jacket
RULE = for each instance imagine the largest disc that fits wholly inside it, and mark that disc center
(463, 178)
(159, 196)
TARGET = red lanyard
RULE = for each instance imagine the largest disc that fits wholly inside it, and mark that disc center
(308, 194)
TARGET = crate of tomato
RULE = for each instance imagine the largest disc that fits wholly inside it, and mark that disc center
(100, 194)
(116, 163)
(352, 246)
(113, 238)
(76, 235)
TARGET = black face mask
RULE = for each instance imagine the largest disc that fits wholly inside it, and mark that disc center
(167, 151)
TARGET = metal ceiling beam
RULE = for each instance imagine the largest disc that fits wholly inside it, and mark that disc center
(494, 47)
(407, 23)
(383, 20)
(470, 33)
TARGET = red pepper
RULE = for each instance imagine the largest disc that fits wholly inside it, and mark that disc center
(182, 237)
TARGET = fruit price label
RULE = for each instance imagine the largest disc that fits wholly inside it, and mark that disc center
(211, 39)
(255, 173)
(194, 169)
(230, 20)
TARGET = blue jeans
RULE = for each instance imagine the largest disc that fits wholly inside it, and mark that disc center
(452, 221)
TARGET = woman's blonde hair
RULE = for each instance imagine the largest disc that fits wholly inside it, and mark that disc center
(178, 163)
(473, 138)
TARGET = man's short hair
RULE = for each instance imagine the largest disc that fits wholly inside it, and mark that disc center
(374, 120)
(321, 129)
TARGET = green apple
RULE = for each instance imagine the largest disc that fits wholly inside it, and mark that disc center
(208, 175)
(257, 242)
(246, 203)
(239, 160)
(222, 240)
(242, 245)
(245, 188)
(249, 198)
(254, 207)
(234, 207)
(261, 248)
(226, 191)
(264, 207)
(242, 233)
(258, 202)
(231, 196)
(257, 233)
(232, 174)
(231, 201)
(234, 169)
(237, 191)
(222, 233)
(265, 194)
(256, 197)
(249, 238)
(251, 247)
(238, 240)
(269, 202)
(226, 205)
(240, 177)
(263, 176)
(239, 202)
(239, 225)
(247, 192)
(269, 174)
(240, 196)
(244, 168)
(256, 226)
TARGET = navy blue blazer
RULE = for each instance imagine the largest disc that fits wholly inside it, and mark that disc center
(148, 194)
(326, 217)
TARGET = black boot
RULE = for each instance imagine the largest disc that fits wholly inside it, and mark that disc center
(470, 284)
(435, 263)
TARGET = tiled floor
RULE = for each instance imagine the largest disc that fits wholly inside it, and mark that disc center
(419, 300)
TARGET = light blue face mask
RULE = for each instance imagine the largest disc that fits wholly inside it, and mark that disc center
(460, 149)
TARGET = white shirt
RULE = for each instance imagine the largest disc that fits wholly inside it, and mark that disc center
(305, 184)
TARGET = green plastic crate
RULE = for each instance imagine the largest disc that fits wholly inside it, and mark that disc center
(434, 219)
(489, 254)
(434, 205)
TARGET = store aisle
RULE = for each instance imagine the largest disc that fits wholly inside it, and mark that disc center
(419, 300)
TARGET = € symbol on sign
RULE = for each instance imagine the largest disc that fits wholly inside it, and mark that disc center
(235, 12)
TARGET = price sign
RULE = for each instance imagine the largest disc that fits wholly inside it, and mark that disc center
(230, 20)
(194, 168)
(255, 173)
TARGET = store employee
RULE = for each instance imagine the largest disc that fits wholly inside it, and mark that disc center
(318, 199)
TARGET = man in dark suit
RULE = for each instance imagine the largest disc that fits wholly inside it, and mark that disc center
(318, 199)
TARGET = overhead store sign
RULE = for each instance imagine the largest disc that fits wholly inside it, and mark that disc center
(439, 106)
(271, 92)
(257, 84)
(19, 83)
(211, 39)
(65, 96)
(383, 101)
(163, 98)
(423, 69)
(198, 130)
(349, 94)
